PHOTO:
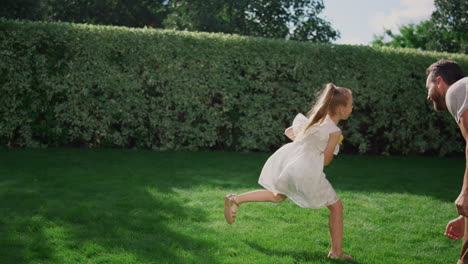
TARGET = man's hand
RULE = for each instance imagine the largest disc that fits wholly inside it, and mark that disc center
(456, 228)
(462, 204)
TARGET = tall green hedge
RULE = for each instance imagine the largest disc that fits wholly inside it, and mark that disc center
(100, 86)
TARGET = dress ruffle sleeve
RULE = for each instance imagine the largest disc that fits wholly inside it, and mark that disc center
(298, 123)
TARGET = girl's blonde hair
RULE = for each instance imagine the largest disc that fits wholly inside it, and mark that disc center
(328, 101)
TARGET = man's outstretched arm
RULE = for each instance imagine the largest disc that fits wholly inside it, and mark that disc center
(462, 200)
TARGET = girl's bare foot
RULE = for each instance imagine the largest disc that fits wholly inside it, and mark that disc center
(341, 255)
(230, 208)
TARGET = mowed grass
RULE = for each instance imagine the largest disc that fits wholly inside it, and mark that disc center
(123, 206)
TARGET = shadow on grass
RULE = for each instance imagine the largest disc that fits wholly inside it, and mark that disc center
(21, 238)
(437, 177)
(90, 206)
(122, 206)
(298, 255)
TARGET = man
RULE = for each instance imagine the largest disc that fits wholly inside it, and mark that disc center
(447, 89)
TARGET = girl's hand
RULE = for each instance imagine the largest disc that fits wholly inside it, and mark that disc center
(456, 228)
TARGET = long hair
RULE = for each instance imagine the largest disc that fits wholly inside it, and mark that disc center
(328, 101)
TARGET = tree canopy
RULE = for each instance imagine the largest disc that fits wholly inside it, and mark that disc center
(446, 30)
(290, 19)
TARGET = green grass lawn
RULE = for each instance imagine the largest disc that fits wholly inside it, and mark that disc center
(122, 206)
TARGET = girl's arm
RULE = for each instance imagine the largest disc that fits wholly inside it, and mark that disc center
(330, 148)
(289, 132)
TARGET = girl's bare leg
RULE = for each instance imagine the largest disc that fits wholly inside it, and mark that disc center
(259, 196)
(231, 201)
(336, 230)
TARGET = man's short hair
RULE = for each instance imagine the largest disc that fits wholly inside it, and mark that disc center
(449, 70)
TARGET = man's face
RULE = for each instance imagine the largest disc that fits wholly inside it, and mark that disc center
(434, 93)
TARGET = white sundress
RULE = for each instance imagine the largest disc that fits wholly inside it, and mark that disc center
(296, 169)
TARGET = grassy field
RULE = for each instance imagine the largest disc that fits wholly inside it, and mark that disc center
(123, 206)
